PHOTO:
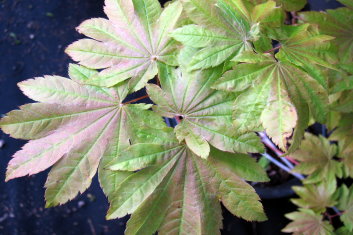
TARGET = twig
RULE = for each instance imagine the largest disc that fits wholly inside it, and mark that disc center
(282, 166)
(279, 153)
(137, 99)
(273, 49)
(177, 118)
(294, 17)
(158, 82)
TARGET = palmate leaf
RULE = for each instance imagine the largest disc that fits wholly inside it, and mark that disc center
(205, 112)
(315, 197)
(273, 90)
(224, 28)
(176, 192)
(345, 203)
(304, 45)
(307, 222)
(129, 44)
(344, 136)
(72, 128)
(288, 5)
(316, 157)
(337, 23)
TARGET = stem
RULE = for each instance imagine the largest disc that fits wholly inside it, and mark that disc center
(279, 153)
(273, 49)
(177, 118)
(294, 17)
(282, 166)
(137, 99)
(158, 82)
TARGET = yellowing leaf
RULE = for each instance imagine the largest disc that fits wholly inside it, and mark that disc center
(306, 222)
(316, 159)
(267, 81)
(315, 197)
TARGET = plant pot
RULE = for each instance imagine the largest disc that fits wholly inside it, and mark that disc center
(279, 191)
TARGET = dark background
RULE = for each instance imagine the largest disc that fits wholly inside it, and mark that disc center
(33, 36)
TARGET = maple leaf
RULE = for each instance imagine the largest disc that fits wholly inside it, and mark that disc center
(276, 92)
(345, 203)
(129, 44)
(206, 113)
(224, 31)
(344, 136)
(307, 222)
(316, 157)
(71, 129)
(337, 23)
(303, 45)
(175, 191)
(343, 231)
(315, 197)
(288, 5)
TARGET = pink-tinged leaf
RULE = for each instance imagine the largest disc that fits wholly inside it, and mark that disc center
(73, 173)
(166, 24)
(37, 120)
(181, 188)
(99, 55)
(38, 155)
(130, 43)
(74, 129)
(121, 72)
(122, 15)
(104, 30)
(59, 90)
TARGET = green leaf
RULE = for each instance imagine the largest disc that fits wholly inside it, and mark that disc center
(224, 31)
(129, 44)
(307, 222)
(149, 216)
(236, 195)
(315, 197)
(206, 113)
(343, 231)
(345, 203)
(241, 164)
(137, 188)
(336, 23)
(176, 191)
(317, 162)
(347, 3)
(196, 143)
(198, 37)
(81, 74)
(279, 118)
(270, 82)
(304, 44)
(287, 5)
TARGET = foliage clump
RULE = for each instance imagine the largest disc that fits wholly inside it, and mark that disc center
(226, 70)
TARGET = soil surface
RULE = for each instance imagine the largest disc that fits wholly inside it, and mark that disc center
(34, 34)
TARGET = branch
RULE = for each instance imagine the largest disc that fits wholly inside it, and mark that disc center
(137, 99)
(283, 167)
(271, 146)
(273, 49)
